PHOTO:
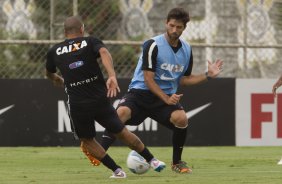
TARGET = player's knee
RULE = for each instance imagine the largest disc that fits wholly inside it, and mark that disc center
(124, 113)
(179, 119)
(181, 124)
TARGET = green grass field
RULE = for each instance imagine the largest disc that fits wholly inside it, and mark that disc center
(212, 165)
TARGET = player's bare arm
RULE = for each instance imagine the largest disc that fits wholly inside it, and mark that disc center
(154, 88)
(112, 84)
(277, 84)
(57, 80)
(192, 79)
(214, 69)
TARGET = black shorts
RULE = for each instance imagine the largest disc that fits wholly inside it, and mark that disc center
(145, 104)
(82, 118)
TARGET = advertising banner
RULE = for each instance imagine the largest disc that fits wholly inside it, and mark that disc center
(34, 113)
(258, 121)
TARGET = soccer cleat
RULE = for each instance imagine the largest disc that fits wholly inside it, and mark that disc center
(157, 165)
(92, 159)
(119, 173)
(280, 162)
(181, 167)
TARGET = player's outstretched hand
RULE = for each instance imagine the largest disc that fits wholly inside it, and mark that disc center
(112, 86)
(277, 84)
(215, 68)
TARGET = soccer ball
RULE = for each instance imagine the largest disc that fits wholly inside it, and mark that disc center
(136, 163)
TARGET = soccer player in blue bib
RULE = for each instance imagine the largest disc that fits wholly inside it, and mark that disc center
(166, 63)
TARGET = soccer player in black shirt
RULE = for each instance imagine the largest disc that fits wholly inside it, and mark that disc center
(88, 93)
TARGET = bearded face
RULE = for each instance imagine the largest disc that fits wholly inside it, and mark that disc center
(174, 29)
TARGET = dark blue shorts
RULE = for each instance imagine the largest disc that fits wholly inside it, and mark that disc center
(145, 104)
(82, 118)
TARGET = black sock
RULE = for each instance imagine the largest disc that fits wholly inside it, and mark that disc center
(109, 163)
(146, 154)
(107, 140)
(178, 140)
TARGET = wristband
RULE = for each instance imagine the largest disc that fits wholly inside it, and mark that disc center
(208, 77)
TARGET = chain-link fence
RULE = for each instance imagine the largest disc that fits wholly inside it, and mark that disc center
(246, 34)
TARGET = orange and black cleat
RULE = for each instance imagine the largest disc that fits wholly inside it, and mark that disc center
(93, 160)
(181, 167)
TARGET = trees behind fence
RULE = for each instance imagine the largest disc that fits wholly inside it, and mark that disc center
(246, 34)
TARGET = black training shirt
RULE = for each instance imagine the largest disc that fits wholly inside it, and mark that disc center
(77, 61)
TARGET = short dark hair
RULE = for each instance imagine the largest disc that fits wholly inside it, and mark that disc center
(73, 24)
(179, 14)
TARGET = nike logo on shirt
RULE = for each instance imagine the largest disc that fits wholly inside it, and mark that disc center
(163, 77)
